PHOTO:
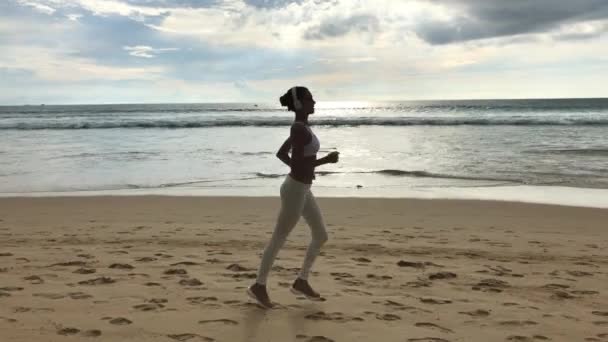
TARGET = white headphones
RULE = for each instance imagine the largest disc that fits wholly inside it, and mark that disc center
(296, 103)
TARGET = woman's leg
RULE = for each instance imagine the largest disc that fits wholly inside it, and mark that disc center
(314, 218)
(293, 198)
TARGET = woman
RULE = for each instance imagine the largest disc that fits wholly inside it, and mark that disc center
(296, 198)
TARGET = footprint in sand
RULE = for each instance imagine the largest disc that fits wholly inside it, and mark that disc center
(387, 317)
(418, 283)
(442, 275)
(190, 282)
(241, 275)
(120, 321)
(359, 292)
(121, 266)
(362, 260)
(238, 268)
(146, 259)
(476, 313)
(201, 300)
(377, 277)
(491, 285)
(553, 286)
(332, 316)
(6, 254)
(97, 281)
(175, 271)
(92, 333)
(339, 275)
(152, 284)
(428, 300)
(185, 263)
(79, 295)
(520, 338)
(403, 263)
(148, 307)
(352, 282)
(70, 263)
(427, 339)
(157, 300)
(86, 256)
(49, 295)
(516, 323)
(579, 273)
(8, 320)
(585, 292)
(223, 321)
(85, 271)
(163, 255)
(68, 331)
(11, 288)
(433, 326)
(188, 337)
(600, 313)
(319, 339)
(21, 309)
(34, 280)
(562, 295)
(118, 252)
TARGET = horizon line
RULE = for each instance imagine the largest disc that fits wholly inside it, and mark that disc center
(320, 101)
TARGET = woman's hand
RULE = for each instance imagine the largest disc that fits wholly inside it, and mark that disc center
(333, 157)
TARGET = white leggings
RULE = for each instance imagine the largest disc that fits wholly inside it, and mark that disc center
(296, 200)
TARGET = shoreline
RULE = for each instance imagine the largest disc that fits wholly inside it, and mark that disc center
(549, 195)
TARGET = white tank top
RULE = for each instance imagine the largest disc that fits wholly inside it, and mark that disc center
(313, 146)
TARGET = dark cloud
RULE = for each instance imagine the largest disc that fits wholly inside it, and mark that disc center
(481, 19)
(337, 27)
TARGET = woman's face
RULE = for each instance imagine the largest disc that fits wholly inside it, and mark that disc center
(308, 103)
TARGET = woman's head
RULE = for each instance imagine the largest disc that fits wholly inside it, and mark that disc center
(298, 100)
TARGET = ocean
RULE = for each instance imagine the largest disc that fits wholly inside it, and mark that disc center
(549, 151)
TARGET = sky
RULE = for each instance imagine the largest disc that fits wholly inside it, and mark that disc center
(161, 51)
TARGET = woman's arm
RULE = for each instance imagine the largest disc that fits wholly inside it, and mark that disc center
(332, 157)
(295, 143)
(283, 152)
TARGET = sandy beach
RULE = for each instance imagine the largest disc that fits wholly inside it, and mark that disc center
(156, 268)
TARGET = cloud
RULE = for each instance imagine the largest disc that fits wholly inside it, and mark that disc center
(273, 4)
(174, 3)
(479, 19)
(189, 50)
(40, 7)
(581, 31)
(50, 65)
(338, 27)
(146, 51)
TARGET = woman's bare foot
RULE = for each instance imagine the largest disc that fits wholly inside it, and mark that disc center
(259, 293)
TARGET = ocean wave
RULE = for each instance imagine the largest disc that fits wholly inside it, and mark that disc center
(595, 152)
(45, 111)
(269, 175)
(401, 173)
(425, 174)
(278, 122)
